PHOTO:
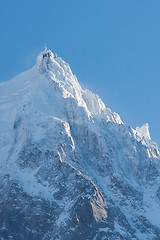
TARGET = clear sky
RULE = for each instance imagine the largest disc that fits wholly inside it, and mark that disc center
(113, 46)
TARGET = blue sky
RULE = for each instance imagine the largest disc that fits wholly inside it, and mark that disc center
(112, 46)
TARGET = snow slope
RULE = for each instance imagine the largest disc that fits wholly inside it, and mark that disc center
(69, 167)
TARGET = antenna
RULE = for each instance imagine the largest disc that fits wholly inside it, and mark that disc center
(45, 47)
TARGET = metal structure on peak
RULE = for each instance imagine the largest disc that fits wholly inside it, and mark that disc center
(47, 53)
(45, 48)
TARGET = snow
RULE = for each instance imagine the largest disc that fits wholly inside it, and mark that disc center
(31, 90)
(144, 131)
(47, 107)
(151, 205)
(30, 185)
(142, 135)
(119, 229)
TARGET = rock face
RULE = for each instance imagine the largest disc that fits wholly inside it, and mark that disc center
(69, 168)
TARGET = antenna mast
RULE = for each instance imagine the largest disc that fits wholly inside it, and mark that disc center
(45, 47)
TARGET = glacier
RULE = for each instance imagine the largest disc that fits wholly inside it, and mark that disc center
(69, 167)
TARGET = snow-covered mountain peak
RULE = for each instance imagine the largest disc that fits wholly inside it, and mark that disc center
(64, 156)
(60, 75)
(52, 66)
(49, 89)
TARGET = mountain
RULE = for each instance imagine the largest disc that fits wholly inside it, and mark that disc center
(69, 167)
